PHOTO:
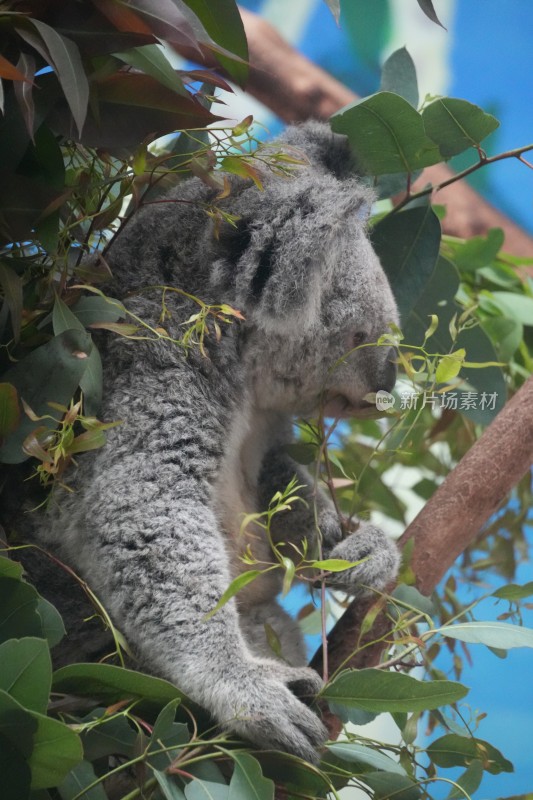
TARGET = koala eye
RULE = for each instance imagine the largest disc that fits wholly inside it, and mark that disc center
(357, 338)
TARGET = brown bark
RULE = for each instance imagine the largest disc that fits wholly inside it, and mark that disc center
(449, 522)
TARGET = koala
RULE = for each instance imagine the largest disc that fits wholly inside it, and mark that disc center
(154, 522)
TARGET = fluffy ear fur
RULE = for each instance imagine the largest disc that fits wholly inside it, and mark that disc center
(285, 256)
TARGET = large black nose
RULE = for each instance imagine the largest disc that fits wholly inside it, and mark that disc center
(387, 379)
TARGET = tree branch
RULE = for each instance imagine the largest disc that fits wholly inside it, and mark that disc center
(449, 522)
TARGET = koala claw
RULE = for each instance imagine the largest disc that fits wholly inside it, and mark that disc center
(380, 567)
(276, 717)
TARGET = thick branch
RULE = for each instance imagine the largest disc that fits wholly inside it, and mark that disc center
(449, 522)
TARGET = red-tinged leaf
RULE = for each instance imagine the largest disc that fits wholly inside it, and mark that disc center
(122, 17)
(241, 167)
(165, 20)
(12, 73)
(104, 42)
(11, 285)
(206, 76)
(24, 91)
(32, 446)
(9, 409)
(68, 67)
(134, 108)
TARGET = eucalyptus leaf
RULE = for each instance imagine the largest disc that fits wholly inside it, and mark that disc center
(26, 672)
(51, 747)
(50, 373)
(455, 125)
(18, 610)
(407, 244)
(500, 635)
(205, 790)
(387, 785)
(248, 781)
(377, 690)
(366, 756)
(398, 75)
(51, 622)
(514, 592)
(386, 134)
(77, 781)
(452, 750)
(468, 782)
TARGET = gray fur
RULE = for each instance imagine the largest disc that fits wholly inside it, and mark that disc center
(154, 522)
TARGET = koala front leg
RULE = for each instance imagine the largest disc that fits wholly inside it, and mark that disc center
(158, 563)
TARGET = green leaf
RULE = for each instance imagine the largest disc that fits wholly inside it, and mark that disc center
(68, 67)
(14, 769)
(18, 610)
(112, 736)
(410, 596)
(376, 690)
(514, 592)
(168, 734)
(398, 75)
(453, 750)
(334, 564)
(111, 684)
(50, 373)
(515, 306)
(223, 23)
(505, 334)
(77, 780)
(51, 621)
(386, 134)
(63, 319)
(429, 11)
(438, 297)
(11, 285)
(235, 586)
(450, 366)
(492, 634)
(169, 789)
(366, 756)
(89, 310)
(152, 61)
(26, 672)
(10, 569)
(51, 747)
(408, 246)
(478, 251)
(389, 786)
(9, 410)
(302, 452)
(456, 125)
(206, 790)
(468, 782)
(248, 781)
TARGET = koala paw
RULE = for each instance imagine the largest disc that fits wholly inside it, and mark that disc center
(380, 567)
(271, 710)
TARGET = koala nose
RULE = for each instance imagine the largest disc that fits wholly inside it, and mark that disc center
(390, 372)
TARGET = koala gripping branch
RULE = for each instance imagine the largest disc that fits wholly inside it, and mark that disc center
(449, 522)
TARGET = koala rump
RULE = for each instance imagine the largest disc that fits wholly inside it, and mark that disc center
(153, 524)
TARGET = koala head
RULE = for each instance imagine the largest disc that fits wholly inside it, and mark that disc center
(313, 292)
